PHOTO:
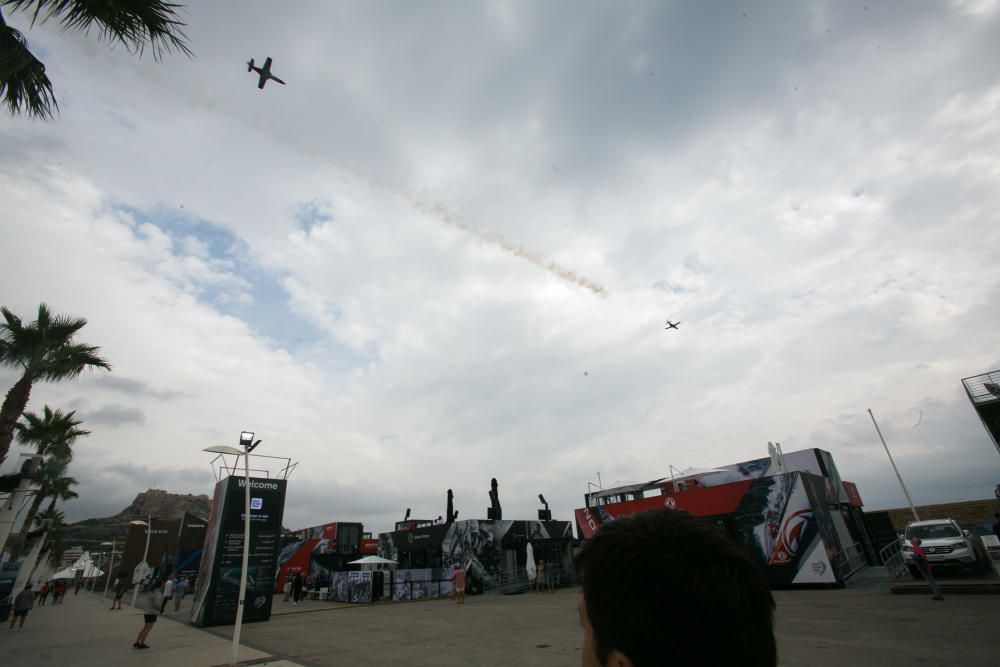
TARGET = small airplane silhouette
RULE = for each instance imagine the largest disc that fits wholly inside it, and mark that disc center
(671, 325)
(265, 72)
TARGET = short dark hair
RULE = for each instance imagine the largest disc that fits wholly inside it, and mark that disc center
(663, 585)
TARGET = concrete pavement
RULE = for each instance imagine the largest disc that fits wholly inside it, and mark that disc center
(822, 628)
(84, 632)
(827, 627)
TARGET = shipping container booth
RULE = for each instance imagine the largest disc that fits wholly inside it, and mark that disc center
(791, 513)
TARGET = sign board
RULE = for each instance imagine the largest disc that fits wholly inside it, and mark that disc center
(216, 598)
(141, 572)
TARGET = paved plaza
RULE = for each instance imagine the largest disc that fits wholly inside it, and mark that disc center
(814, 627)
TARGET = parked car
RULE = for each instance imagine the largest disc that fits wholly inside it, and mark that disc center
(947, 544)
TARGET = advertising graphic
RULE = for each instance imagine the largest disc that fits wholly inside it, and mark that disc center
(216, 597)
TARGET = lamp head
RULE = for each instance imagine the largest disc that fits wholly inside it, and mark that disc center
(222, 449)
(246, 439)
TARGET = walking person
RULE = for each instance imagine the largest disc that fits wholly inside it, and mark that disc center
(920, 559)
(149, 613)
(46, 587)
(458, 584)
(22, 604)
(60, 592)
(297, 588)
(287, 587)
(540, 577)
(168, 593)
(120, 587)
(180, 588)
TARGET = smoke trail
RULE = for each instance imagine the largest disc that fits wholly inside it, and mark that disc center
(441, 212)
(437, 210)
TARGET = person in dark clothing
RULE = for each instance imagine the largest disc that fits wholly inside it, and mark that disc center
(46, 587)
(996, 525)
(22, 604)
(297, 583)
(120, 585)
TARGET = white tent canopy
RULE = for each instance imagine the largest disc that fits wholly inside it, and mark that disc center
(85, 565)
(372, 560)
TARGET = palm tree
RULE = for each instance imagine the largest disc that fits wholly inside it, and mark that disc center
(135, 24)
(52, 472)
(54, 534)
(61, 489)
(44, 351)
(52, 435)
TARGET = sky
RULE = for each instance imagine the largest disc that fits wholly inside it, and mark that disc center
(446, 249)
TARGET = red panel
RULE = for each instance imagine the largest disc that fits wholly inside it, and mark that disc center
(706, 501)
(298, 562)
(369, 545)
(853, 494)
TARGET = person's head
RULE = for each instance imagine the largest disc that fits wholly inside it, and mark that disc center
(915, 541)
(664, 586)
(27, 586)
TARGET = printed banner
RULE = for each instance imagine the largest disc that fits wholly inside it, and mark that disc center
(217, 588)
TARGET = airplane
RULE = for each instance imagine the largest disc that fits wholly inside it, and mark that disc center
(265, 73)
(672, 325)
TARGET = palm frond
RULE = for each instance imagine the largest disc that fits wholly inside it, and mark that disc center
(68, 361)
(24, 85)
(52, 434)
(133, 23)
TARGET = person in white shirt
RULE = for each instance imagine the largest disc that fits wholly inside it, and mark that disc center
(149, 613)
(168, 593)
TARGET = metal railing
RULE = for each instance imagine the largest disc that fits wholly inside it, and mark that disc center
(892, 557)
(850, 560)
(509, 581)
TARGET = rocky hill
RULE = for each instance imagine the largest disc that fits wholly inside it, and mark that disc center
(154, 502)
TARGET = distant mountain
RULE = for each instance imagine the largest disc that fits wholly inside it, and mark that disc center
(154, 502)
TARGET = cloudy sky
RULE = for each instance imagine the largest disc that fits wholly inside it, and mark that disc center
(446, 249)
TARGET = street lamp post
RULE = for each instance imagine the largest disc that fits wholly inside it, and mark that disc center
(111, 563)
(248, 444)
(145, 554)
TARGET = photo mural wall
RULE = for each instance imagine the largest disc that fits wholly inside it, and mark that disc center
(484, 548)
(350, 587)
(783, 521)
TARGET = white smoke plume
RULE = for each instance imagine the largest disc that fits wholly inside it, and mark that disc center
(441, 212)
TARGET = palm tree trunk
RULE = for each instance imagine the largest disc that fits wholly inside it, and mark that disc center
(30, 518)
(13, 407)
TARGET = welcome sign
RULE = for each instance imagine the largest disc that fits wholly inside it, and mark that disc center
(217, 590)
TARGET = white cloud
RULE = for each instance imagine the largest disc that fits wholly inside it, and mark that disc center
(811, 191)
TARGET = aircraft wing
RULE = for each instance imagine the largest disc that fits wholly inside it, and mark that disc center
(263, 80)
(267, 65)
